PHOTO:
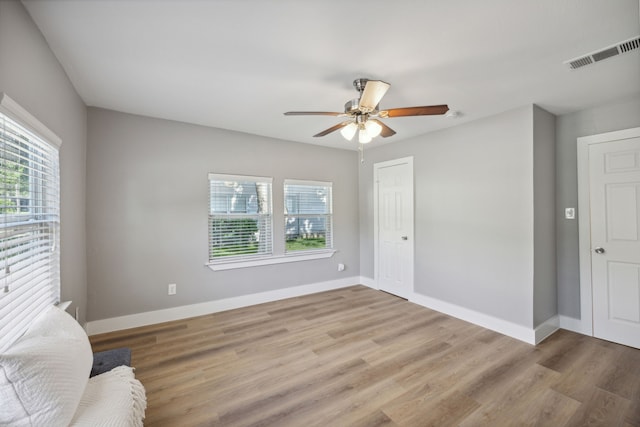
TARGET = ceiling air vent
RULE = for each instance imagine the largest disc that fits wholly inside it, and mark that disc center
(602, 54)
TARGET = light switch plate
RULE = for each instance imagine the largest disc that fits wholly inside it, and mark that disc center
(570, 213)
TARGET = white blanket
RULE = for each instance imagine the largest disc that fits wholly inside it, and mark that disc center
(112, 399)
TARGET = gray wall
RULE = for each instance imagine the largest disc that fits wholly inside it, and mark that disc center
(622, 114)
(147, 204)
(32, 76)
(473, 214)
(545, 291)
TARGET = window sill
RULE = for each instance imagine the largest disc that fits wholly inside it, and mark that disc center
(63, 305)
(278, 259)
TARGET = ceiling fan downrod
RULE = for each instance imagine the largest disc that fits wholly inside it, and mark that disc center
(359, 84)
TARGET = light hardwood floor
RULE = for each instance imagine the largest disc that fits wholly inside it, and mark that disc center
(360, 357)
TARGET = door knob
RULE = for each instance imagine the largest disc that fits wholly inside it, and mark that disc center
(405, 238)
(599, 250)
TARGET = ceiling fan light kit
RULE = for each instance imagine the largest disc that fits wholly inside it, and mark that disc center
(363, 136)
(364, 112)
(373, 128)
(349, 131)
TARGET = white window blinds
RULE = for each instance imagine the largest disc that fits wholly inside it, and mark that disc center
(308, 215)
(240, 217)
(29, 220)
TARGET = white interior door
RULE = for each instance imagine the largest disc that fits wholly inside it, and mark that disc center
(394, 226)
(614, 187)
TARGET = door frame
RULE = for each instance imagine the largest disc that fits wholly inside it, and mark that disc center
(376, 234)
(584, 220)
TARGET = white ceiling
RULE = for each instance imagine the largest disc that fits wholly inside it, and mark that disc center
(239, 64)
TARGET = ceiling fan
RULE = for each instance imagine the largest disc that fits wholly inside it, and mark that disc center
(363, 113)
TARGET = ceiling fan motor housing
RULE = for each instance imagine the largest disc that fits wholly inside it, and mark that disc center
(352, 106)
(359, 84)
(352, 109)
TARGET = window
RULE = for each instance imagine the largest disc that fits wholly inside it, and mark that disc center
(29, 215)
(240, 221)
(307, 215)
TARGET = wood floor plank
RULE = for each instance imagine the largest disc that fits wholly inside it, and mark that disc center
(457, 365)
(524, 392)
(359, 357)
(271, 408)
(580, 379)
(549, 408)
(600, 408)
(498, 375)
(632, 416)
(560, 351)
(622, 377)
(439, 410)
(373, 419)
(357, 408)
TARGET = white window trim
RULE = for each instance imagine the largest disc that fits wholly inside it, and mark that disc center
(287, 257)
(269, 260)
(307, 182)
(227, 177)
(12, 109)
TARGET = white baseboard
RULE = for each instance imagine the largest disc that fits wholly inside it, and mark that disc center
(513, 330)
(369, 282)
(502, 326)
(183, 312)
(547, 328)
(574, 325)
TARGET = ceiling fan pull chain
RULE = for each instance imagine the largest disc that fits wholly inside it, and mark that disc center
(361, 149)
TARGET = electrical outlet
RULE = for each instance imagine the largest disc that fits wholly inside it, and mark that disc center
(340, 267)
(172, 289)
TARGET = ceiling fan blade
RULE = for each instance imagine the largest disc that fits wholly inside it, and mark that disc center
(386, 130)
(373, 92)
(427, 110)
(332, 129)
(312, 113)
